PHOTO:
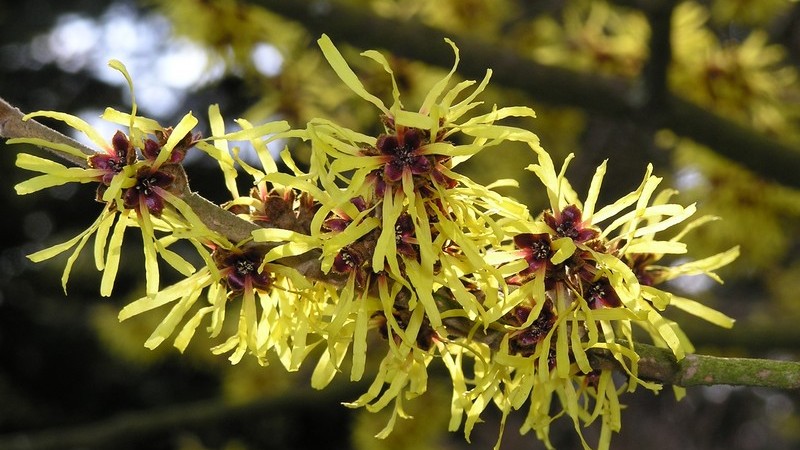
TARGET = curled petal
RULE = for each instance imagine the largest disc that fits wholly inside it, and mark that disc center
(336, 224)
(571, 214)
(387, 144)
(442, 179)
(103, 162)
(151, 149)
(420, 165)
(359, 203)
(235, 280)
(122, 147)
(161, 179)
(131, 198)
(393, 171)
(411, 139)
(154, 204)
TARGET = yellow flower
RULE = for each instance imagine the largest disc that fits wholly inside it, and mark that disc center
(270, 316)
(404, 177)
(580, 285)
(627, 248)
(279, 308)
(444, 251)
(135, 191)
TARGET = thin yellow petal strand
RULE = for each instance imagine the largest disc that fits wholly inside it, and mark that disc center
(222, 154)
(64, 148)
(104, 227)
(702, 311)
(119, 66)
(380, 59)
(360, 340)
(148, 236)
(657, 247)
(346, 74)
(175, 260)
(185, 336)
(140, 124)
(55, 250)
(167, 295)
(439, 87)
(185, 126)
(594, 191)
(74, 256)
(75, 122)
(175, 315)
(704, 266)
(113, 255)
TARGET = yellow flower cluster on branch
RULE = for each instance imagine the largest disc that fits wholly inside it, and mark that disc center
(381, 234)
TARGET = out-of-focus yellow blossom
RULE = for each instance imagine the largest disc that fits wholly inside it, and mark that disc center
(748, 12)
(299, 92)
(746, 81)
(473, 16)
(230, 27)
(593, 37)
(458, 16)
(726, 190)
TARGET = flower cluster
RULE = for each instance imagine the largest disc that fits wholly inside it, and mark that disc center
(584, 286)
(137, 176)
(382, 235)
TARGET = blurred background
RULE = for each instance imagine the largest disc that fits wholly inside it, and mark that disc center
(71, 376)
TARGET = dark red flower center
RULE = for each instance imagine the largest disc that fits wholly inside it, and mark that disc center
(403, 152)
(145, 185)
(601, 294)
(346, 261)
(524, 341)
(240, 268)
(405, 240)
(146, 188)
(540, 250)
(537, 247)
(569, 223)
(244, 267)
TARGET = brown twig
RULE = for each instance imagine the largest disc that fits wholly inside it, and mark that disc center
(12, 126)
